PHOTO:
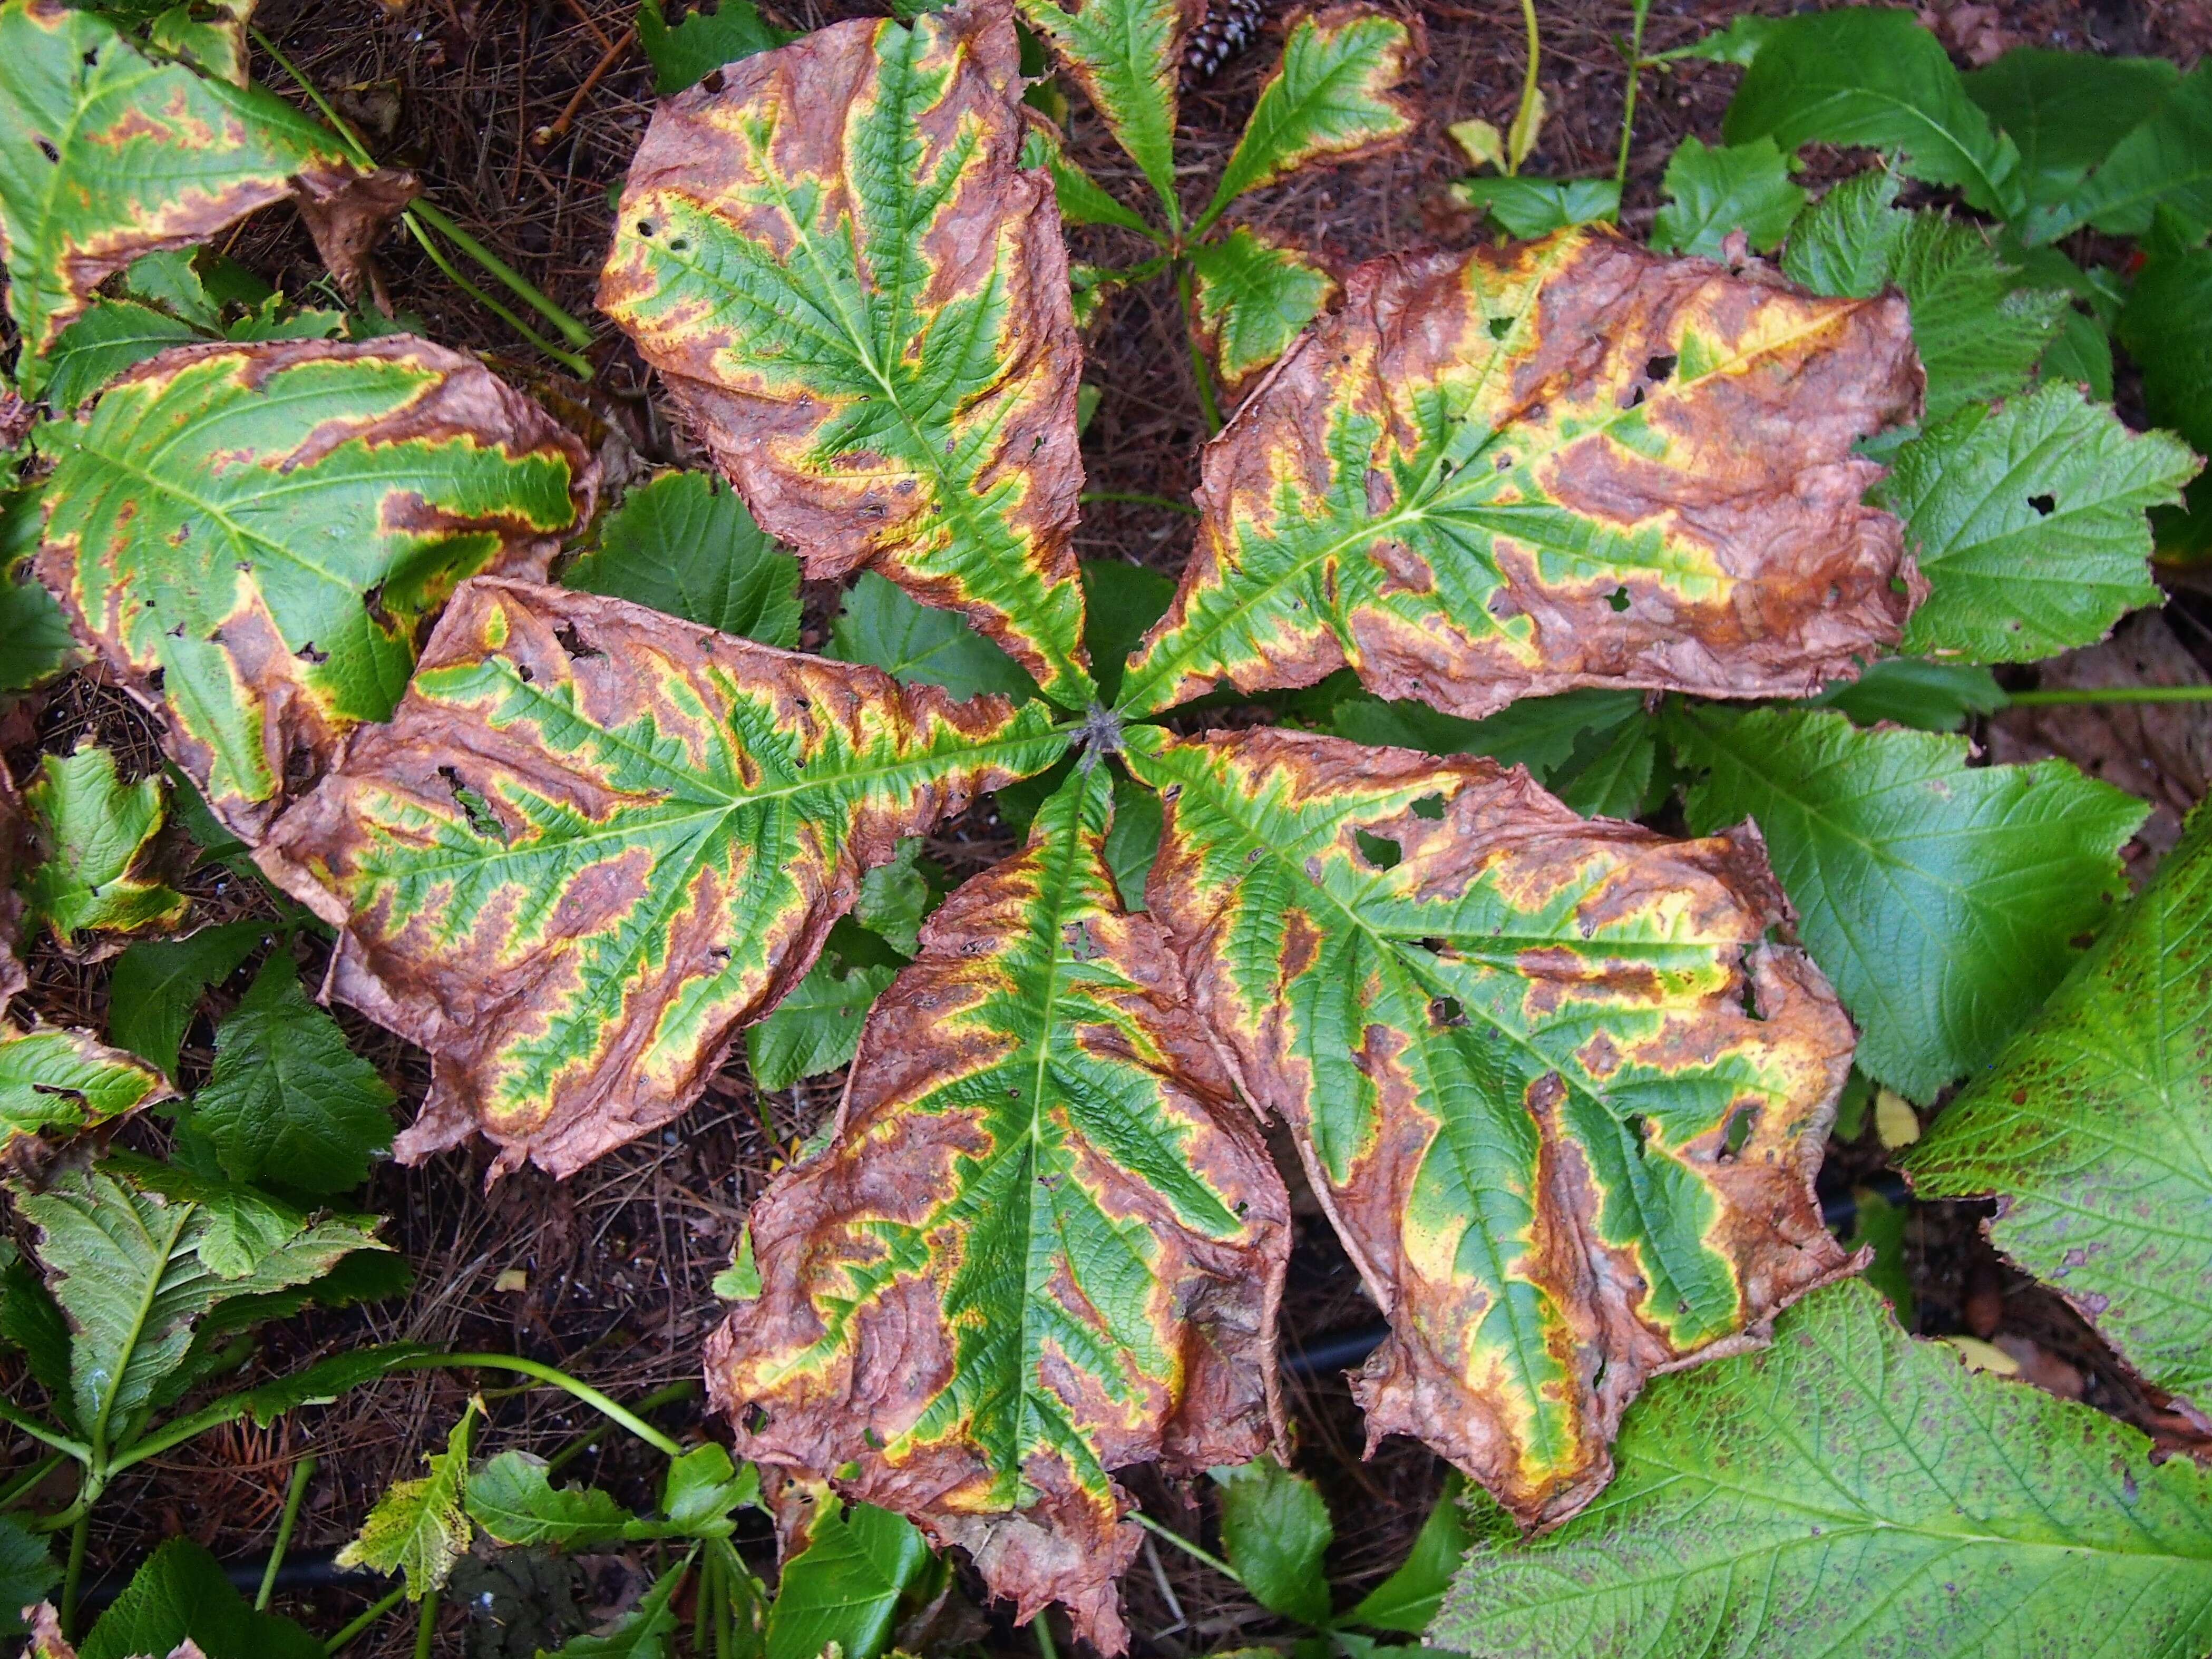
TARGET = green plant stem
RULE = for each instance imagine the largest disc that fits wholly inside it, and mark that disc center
(1186, 1546)
(1138, 498)
(23, 1484)
(1200, 371)
(560, 1379)
(653, 1401)
(31, 1426)
(422, 213)
(426, 1625)
(702, 1610)
(375, 1611)
(302, 1472)
(1528, 84)
(2097, 694)
(1041, 1626)
(1628, 104)
(567, 359)
(73, 1575)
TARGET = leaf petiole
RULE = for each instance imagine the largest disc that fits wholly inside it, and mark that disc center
(302, 1472)
(368, 1616)
(584, 1391)
(1185, 1546)
(1635, 63)
(1198, 369)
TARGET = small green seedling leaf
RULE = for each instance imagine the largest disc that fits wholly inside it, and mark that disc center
(641, 1634)
(28, 1571)
(418, 1529)
(685, 52)
(685, 543)
(1254, 297)
(93, 833)
(916, 645)
(157, 986)
(1714, 192)
(1529, 207)
(1274, 1529)
(815, 1028)
(704, 1487)
(1928, 696)
(182, 1596)
(36, 645)
(513, 1498)
(841, 1590)
(1407, 1600)
(60, 1082)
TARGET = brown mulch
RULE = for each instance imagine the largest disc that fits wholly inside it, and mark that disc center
(615, 1263)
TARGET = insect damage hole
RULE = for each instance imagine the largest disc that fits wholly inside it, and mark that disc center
(1431, 807)
(578, 647)
(474, 807)
(1618, 599)
(2044, 505)
(1735, 1134)
(1500, 327)
(1380, 852)
(1660, 368)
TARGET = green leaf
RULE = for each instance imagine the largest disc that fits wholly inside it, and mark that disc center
(894, 897)
(1928, 696)
(917, 645)
(1253, 296)
(867, 318)
(1332, 99)
(1081, 199)
(703, 1487)
(418, 1529)
(1274, 1529)
(110, 336)
(93, 833)
(845, 1585)
(814, 1029)
(1133, 840)
(1978, 332)
(32, 1322)
(1943, 901)
(2066, 110)
(740, 1281)
(2087, 1129)
(1879, 1225)
(2028, 522)
(57, 1080)
(641, 1634)
(135, 1269)
(1865, 75)
(1121, 602)
(1851, 1490)
(182, 1593)
(684, 53)
(1712, 192)
(512, 1498)
(28, 1571)
(1044, 1194)
(2166, 326)
(1608, 774)
(1393, 500)
(2082, 355)
(1536, 207)
(2164, 161)
(35, 643)
(595, 842)
(1449, 985)
(1407, 1600)
(158, 983)
(107, 154)
(685, 543)
(1126, 55)
(289, 1105)
(254, 533)
(1739, 43)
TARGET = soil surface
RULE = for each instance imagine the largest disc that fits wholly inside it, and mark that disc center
(520, 117)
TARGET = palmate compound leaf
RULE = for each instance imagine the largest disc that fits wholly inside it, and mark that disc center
(595, 841)
(1561, 1101)
(59, 1081)
(2092, 1130)
(844, 274)
(107, 153)
(1850, 1492)
(251, 533)
(1563, 463)
(1126, 55)
(1046, 1242)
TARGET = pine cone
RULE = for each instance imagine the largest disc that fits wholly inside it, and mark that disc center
(1229, 26)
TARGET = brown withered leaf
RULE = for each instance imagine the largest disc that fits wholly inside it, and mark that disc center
(594, 841)
(1563, 463)
(860, 298)
(1562, 1102)
(252, 534)
(1046, 1244)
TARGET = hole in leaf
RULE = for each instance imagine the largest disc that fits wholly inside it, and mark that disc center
(756, 1418)
(1618, 599)
(680, 244)
(713, 83)
(875, 1440)
(1639, 1126)
(1431, 807)
(482, 819)
(153, 678)
(1445, 1012)
(575, 643)
(645, 227)
(1660, 367)
(1737, 1132)
(1635, 399)
(308, 653)
(1379, 851)
(2046, 505)
(1500, 327)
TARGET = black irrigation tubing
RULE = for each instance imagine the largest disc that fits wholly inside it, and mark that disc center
(300, 1569)
(1349, 1348)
